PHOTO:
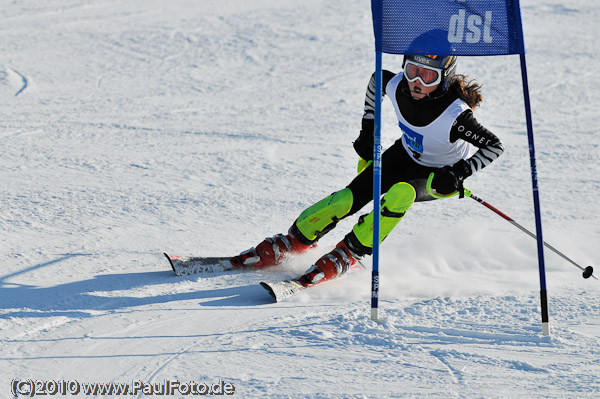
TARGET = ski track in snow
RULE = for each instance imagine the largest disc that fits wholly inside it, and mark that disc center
(198, 128)
(13, 82)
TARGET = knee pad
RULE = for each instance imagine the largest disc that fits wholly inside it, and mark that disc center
(394, 205)
(320, 218)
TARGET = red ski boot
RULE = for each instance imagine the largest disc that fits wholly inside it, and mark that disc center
(331, 265)
(271, 251)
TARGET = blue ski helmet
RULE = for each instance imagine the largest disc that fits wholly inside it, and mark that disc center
(434, 41)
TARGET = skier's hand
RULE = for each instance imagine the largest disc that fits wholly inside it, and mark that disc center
(445, 181)
(365, 141)
(449, 178)
(362, 165)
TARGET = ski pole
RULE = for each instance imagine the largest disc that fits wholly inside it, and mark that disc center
(587, 271)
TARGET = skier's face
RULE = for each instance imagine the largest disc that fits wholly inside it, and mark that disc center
(418, 91)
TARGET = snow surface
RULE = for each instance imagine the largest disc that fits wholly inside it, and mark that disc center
(130, 128)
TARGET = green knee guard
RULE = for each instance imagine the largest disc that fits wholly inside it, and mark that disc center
(322, 216)
(395, 203)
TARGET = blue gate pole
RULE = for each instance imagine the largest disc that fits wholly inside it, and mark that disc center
(376, 189)
(536, 202)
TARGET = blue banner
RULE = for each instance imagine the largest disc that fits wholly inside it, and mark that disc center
(448, 27)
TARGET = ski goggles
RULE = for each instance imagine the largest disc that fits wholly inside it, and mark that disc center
(428, 76)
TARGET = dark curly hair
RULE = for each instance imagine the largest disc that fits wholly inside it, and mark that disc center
(467, 90)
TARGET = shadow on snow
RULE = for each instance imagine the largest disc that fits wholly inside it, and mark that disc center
(80, 298)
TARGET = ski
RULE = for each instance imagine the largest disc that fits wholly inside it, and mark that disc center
(279, 290)
(183, 266)
(282, 290)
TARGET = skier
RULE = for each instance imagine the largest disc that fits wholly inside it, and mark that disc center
(439, 134)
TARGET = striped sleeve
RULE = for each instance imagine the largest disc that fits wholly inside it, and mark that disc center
(370, 94)
(468, 129)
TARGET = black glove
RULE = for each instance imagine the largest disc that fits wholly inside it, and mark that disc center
(365, 141)
(450, 178)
